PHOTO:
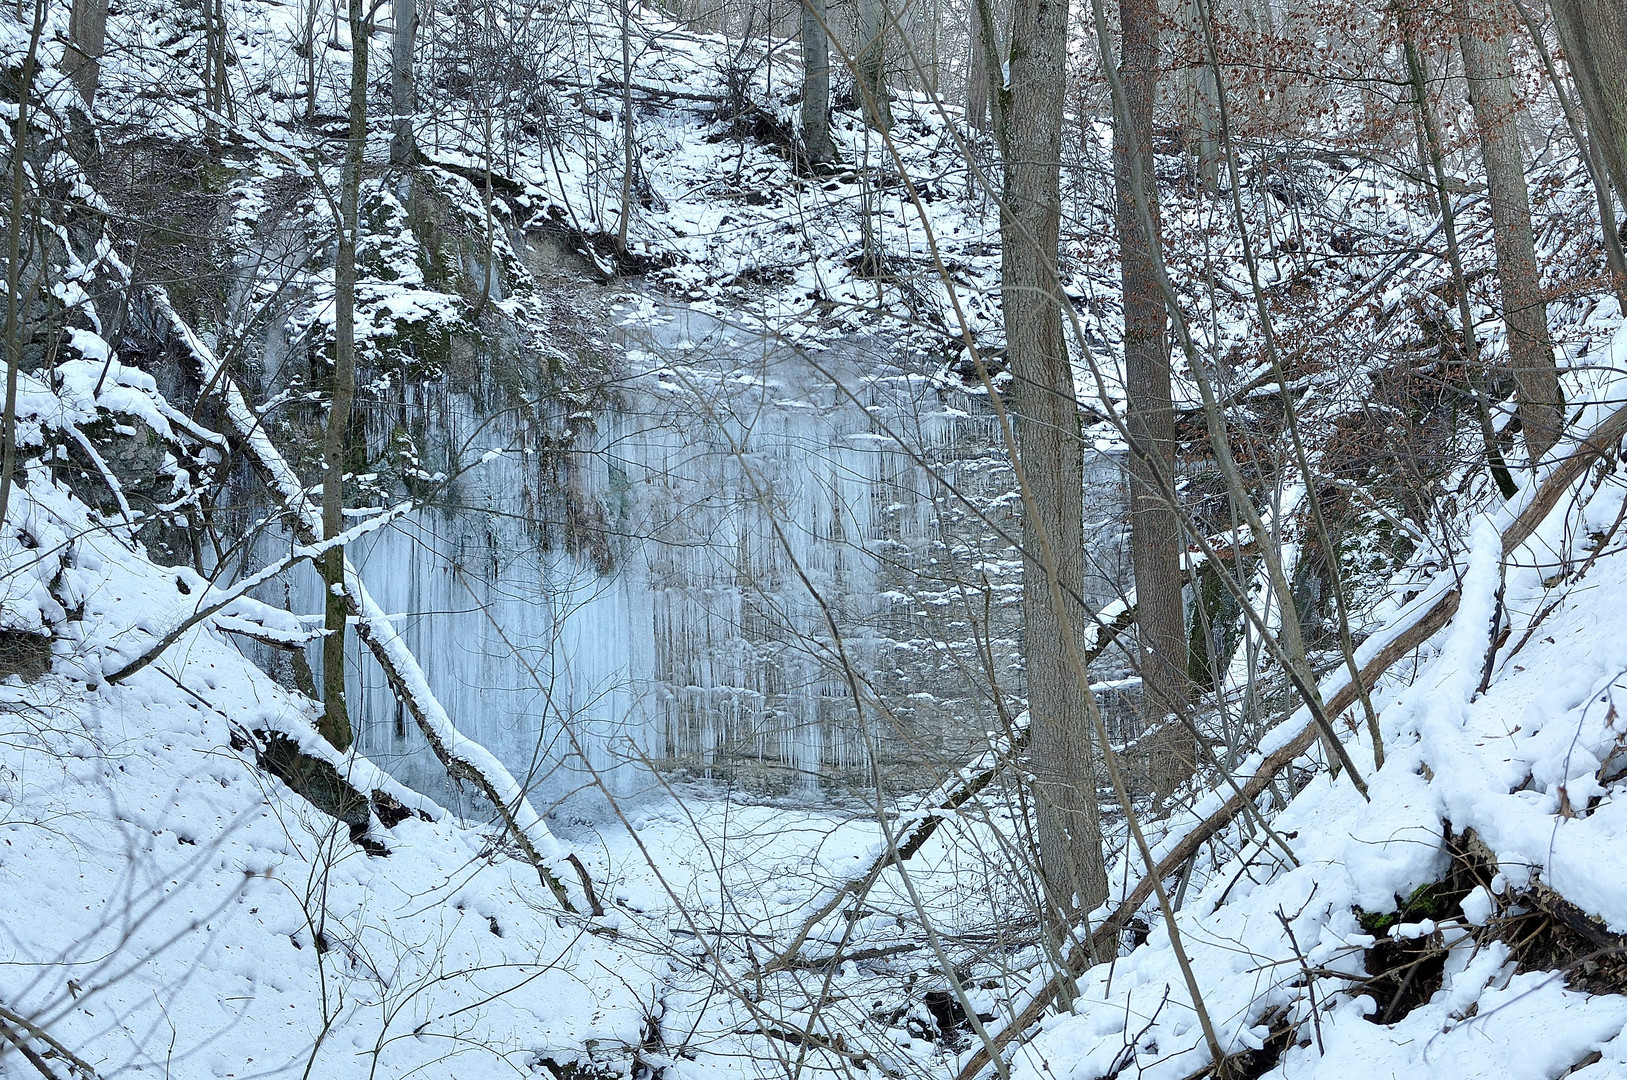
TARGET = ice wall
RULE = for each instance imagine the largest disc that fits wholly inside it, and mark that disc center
(804, 579)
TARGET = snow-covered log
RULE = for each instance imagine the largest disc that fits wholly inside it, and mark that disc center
(216, 601)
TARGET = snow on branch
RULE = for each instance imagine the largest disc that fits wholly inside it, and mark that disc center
(220, 599)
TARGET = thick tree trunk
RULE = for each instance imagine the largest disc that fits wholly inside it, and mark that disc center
(87, 36)
(1613, 254)
(1525, 313)
(335, 724)
(403, 90)
(1593, 34)
(1051, 452)
(1155, 527)
(816, 140)
(872, 73)
(977, 78)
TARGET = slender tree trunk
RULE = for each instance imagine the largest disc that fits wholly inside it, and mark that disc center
(1051, 452)
(403, 90)
(1525, 313)
(872, 73)
(1593, 34)
(1155, 526)
(935, 21)
(1433, 148)
(14, 261)
(87, 36)
(335, 724)
(816, 138)
(310, 13)
(986, 19)
(223, 49)
(628, 158)
(213, 87)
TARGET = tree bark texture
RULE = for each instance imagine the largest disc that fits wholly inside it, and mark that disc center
(816, 140)
(1155, 526)
(1051, 452)
(1198, 103)
(87, 36)
(977, 80)
(1593, 34)
(1490, 77)
(335, 724)
(403, 90)
(872, 58)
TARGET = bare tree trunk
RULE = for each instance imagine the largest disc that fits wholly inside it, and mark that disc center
(335, 724)
(872, 64)
(1155, 527)
(1198, 94)
(87, 36)
(309, 53)
(14, 260)
(977, 79)
(627, 126)
(213, 84)
(1593, 34)
(1588, 146)
(1051, 453)
(816, 140)
(1525, 313)
(403, 91)
(223, 48)
(1434, 158)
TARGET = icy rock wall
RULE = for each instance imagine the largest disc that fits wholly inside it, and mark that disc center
(798, 598)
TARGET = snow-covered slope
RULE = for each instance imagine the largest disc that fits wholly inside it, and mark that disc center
(1469, 919)
(168, 909)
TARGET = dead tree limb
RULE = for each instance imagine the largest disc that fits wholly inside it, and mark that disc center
(18, 1029)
